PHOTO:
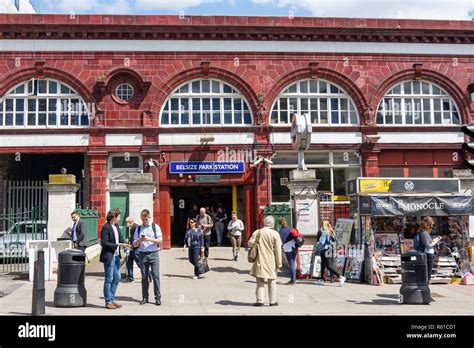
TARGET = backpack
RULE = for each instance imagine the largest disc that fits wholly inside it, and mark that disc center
(297, 237)
(417, 244)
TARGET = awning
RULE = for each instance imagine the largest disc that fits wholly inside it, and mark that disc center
(416, 206)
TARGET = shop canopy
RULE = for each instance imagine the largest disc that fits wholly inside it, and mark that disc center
(392, 205)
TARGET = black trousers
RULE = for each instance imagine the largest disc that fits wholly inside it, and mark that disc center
(207, 244)
(429, 263)
(327, 262)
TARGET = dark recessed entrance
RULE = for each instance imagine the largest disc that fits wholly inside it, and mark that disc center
(183, 200)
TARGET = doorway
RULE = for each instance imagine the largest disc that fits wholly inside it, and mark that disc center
(183, 200)
(120, 200)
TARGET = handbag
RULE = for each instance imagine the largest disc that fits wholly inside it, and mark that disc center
(253, 252)
(203, 266)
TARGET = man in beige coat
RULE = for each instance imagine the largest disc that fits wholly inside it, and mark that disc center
(268, 261)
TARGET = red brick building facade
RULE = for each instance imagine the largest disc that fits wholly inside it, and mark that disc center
(266, 64)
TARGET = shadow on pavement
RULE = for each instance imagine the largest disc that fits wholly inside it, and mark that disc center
(233, 303)
(228, 270)
(377, 302)
(177, 276)
(89, 305)
(128, 298)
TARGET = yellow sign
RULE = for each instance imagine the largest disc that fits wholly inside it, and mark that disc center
(374, 185)
(62, 179)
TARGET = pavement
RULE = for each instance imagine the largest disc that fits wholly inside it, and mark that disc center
(228, 289)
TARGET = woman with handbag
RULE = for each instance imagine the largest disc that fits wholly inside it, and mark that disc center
(194, 240)
(326, 249)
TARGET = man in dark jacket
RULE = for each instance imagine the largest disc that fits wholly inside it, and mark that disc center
(132, 257)
(78, 232)
(111, 240)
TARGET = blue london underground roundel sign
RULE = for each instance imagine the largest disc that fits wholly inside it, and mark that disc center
(207, 167)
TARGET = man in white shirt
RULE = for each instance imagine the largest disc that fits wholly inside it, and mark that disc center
(235, 228)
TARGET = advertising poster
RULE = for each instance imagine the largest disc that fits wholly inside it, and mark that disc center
(343, 231)
(354, 263)
(304, 256)
(307, 216)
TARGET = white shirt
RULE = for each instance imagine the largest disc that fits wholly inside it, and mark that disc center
(238, 224)
(117, 240)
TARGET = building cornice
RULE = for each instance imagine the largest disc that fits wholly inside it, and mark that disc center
(103, 27)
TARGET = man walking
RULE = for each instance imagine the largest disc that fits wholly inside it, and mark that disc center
(111, 240)
(132, 257)
(268, 261)
(221, 218)
(78, 232)
(235, 228)
(148, 238)
(205, 224)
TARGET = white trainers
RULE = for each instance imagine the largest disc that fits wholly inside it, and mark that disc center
(195, 277)
(319, 282)
(342, 280)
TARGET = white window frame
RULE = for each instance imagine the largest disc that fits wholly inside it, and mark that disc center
(422, 96)
(211, 95)
(331, 166)
(130, 88)
(316, 95)
(29, 95)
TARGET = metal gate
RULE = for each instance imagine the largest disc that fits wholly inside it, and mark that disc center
(16, 229)
(24, 195)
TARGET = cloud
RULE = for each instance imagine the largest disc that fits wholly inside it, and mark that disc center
(124, 6)
(417, 9)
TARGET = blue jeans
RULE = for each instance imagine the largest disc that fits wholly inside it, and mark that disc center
(132, 257)
(112, 278)
(220, 226)
(291, 257)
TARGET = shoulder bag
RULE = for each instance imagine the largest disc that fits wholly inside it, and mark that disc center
(253, 252)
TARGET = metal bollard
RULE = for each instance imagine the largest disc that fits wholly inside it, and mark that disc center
(38, 305)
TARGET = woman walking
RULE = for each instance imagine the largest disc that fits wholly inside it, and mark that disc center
(235, 228)
(289, 248)
(427, 244)
(326, 234)
(194, 240)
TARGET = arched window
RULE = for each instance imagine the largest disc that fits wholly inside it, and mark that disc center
(206, 103)
(417, 103)
(326, 103)
(43, 104)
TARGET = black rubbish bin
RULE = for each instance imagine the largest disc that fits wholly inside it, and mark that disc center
(71, 291)
(415, 286)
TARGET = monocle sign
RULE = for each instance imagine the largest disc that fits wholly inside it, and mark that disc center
(418, 206)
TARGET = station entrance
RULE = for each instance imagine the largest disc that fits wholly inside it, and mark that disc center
(183, 199)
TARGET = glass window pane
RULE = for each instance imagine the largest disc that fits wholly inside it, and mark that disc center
(196, 104)
(341, 176)
(293, 105)
(274, 116)
(65, 90)
(334, 89)
(323, 117)
(216, 86)
(283, 104)
(407, 88)
(437, 117)
(247, 118)
(379, 117)
(397, 89)
(286, 158)
(323, 87)
(437, 104)
(174, 117)
(284, 116)
(228, 118)
(436, 90)
(53, 87)
(227, 104)
(280, 193)
(19, 119)
(325, 175)
(346, 158)
(165, 117)
(9, 119)
(313, 86)
(304, 87)
(184, 89)
(31, 119)
(42, 85)
(174, 104)
(292, 88)
(315, 157)
(456, 118)
(416, 87)
(425, 88)
(323, 104)
(20, 89)
(196, 87)
(227, 89)
(206, 86)
(42, 119)
(51, 119)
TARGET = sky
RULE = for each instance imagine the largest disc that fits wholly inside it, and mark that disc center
(403, 9)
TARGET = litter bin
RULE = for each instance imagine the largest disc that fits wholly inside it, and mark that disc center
(415, 286)
(71, 291)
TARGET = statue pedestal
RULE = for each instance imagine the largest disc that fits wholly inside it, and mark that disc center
(303, 187)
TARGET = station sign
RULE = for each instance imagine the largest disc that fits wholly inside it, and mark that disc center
(207, 167)
(207, 179)
(395, 185)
